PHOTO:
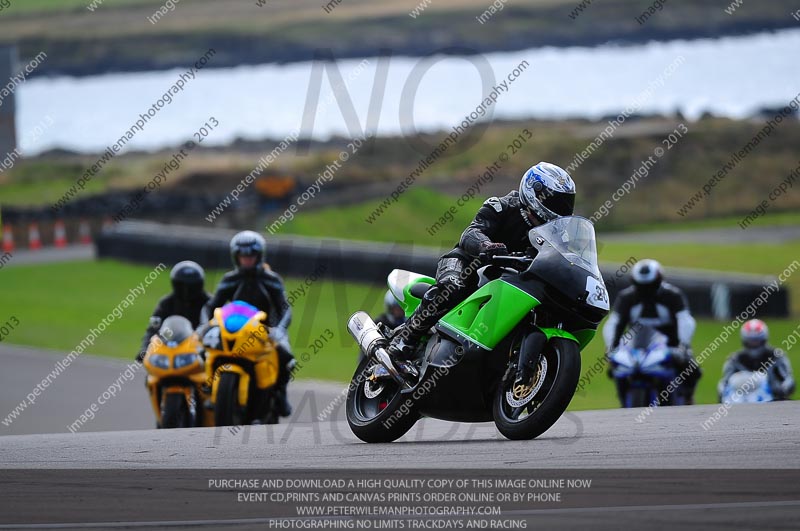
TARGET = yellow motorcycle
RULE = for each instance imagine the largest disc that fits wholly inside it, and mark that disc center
(241, 366)
(176, 375)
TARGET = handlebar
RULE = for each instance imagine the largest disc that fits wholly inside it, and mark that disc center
(518, 261)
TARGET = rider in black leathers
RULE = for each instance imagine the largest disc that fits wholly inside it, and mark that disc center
(253, 281)
(187, 300)
(501, 226)
(652, 302)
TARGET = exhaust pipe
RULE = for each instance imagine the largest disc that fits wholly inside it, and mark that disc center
(372, 343)
(365, 332)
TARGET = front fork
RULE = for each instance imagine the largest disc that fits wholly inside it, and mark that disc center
(531, 350)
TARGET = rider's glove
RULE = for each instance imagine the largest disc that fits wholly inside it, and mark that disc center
(493, 249)
(681, 353)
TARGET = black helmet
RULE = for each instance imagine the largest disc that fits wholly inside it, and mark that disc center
(187, 279)
(248, 243)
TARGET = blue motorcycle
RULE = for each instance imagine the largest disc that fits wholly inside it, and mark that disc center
(642, 368)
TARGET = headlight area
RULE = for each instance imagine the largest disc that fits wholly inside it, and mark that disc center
(160, 361)
(184, 360)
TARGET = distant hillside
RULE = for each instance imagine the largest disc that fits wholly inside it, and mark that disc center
(657, 195)
(119, 35)
(370, 176)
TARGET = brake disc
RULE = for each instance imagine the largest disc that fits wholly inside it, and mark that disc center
(521, 395)
(372, 390)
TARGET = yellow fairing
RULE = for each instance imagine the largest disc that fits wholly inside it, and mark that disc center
(193, 371)
(267, 371)
(251, 343)
(191, 345)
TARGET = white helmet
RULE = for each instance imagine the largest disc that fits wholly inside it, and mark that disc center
(547, 191)
(389, 301)
(647, 275)
(394, 312)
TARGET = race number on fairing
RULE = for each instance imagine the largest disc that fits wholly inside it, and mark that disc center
(598, 296)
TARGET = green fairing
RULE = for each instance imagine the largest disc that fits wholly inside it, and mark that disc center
(410, 302)
(582, 337)
(488, 315)
(485, 325)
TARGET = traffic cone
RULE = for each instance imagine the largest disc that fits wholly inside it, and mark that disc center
(59, 234)
(8, 238)
(34, 239)
(85, 233)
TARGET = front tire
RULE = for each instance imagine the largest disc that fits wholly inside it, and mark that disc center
(637, 397)
(226, 407)
(175, 412)
(527, 417)
(378, 413)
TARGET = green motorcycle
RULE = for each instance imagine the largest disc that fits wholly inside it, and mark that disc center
(509, 353)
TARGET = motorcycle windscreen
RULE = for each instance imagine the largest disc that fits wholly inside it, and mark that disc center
(488, 315)
(567, 262)
(573, 237)
(646, 338)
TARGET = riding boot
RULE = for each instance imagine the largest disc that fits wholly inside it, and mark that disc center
(407, 338)
(452, 285)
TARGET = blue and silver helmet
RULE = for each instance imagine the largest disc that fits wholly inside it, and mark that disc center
(547, 191)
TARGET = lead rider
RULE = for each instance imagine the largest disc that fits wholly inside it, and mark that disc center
(253, 281)
(546, 192)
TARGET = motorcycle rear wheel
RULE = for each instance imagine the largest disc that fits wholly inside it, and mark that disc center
(375, 411)
(554, 385)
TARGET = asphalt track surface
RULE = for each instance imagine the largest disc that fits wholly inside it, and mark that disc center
(83, 384)
(665, 472)
(749, 436)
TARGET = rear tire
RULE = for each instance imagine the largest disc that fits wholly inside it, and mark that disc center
(367, 419)
(175, 412)
(226, 408)
(549, 401)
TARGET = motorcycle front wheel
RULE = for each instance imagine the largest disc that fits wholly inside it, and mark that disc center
(526, 412)
(226, 408)
(376, 411)
(636, 397)
(175, 412)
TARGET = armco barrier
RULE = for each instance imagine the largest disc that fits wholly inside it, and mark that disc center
(710, 294)
(149, 242)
